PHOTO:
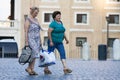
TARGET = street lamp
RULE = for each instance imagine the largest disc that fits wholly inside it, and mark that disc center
(108, 21)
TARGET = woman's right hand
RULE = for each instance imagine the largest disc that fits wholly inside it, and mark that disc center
(51, 43)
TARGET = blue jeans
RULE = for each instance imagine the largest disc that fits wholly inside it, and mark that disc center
(59, 47)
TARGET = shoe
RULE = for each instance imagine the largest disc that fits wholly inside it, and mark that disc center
(34, 73)
(29, 71)
(67, 71)
(47, 71)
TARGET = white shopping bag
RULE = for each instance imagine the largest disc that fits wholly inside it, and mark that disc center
(46, 58)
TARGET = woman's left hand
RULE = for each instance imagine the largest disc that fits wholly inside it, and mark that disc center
(67, 41)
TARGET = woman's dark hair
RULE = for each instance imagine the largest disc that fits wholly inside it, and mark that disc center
(55, 13)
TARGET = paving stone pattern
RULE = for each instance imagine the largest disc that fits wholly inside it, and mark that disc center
(10, 69)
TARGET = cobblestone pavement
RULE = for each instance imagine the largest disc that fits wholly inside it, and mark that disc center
(10, 69)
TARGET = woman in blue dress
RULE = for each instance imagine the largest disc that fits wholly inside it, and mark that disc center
(32, 37)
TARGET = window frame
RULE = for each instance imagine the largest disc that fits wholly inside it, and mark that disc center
(75, 18)
(43, 17)
(45, 41)
(111, 40)
(112, 2)
(114, 14)
(80, 41)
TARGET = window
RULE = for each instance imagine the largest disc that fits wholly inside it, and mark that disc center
(25, 16)
(114, 19)
(6, 10)
(81, 18)
(45, 43)
(110, 42)
(113, 1)
(80, 41)
(47, 17)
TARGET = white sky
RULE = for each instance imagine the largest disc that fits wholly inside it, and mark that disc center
(4, 9)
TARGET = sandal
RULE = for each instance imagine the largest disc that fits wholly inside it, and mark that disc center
(47, 71)
(29, 71)
(34, 73)
(66, 71)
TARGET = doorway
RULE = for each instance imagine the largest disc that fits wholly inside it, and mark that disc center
(7, 8)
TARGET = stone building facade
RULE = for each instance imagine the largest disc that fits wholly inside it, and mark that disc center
(84, 20)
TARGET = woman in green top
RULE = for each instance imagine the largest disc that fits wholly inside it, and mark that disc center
(56, 35)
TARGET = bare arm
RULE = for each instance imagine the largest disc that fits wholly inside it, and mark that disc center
(26, 27)
(66, 39)
(49, 36)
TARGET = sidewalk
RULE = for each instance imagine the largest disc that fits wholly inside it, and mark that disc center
(10, 69)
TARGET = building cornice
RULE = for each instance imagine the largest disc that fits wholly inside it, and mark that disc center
(112, 8)
(76, 7)
(81, 30)
(75, 30)
(110, 30)
(9, 28)
(49, 7)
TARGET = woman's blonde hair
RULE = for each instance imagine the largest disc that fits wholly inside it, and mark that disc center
(32, 9)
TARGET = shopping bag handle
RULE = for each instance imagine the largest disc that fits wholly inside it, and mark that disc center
(25, 47)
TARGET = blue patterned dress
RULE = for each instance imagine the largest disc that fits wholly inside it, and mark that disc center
(34, 37)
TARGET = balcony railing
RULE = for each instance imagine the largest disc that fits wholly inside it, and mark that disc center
(8, 23)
